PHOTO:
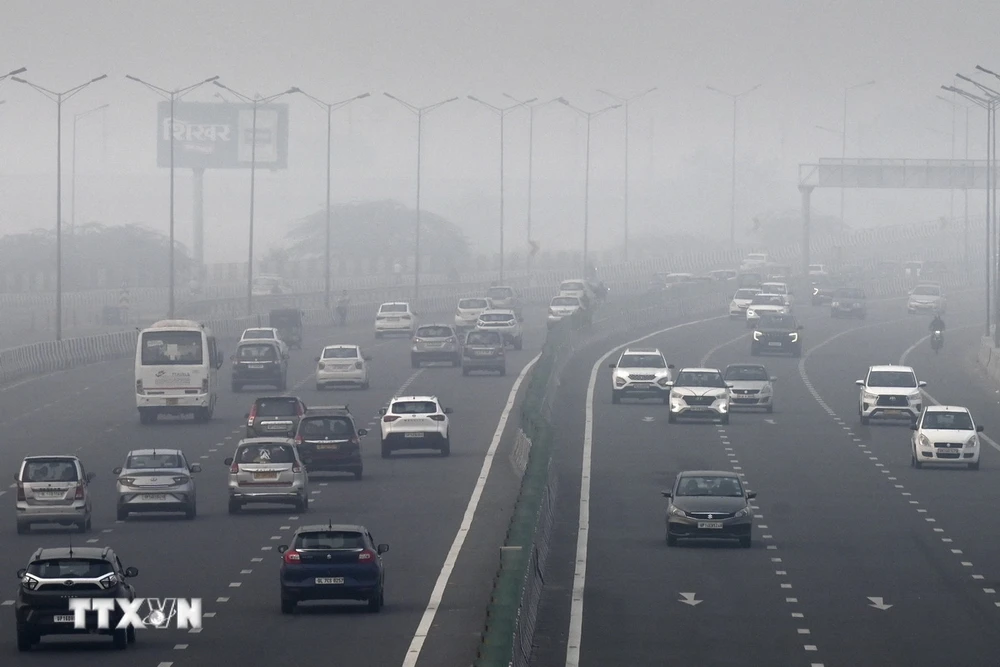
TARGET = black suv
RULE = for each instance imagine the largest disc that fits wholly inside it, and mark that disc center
(777, 333)
(329, 441)
(261, 363)
(274, 416)
(53, 576)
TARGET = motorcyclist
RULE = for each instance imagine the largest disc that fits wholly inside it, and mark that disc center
(937, 324)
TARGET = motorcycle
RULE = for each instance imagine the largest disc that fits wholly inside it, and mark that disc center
(937, 341)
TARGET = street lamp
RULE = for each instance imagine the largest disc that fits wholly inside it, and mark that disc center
(627, 101)
(843, 143)
(531, 156)
(589, 115)
(732, 192)
(58, 98)
(330, 108)
(501, 112)
(256, 101)
(13, 73)
(72, 179)
(419, 112)
(965, 191)
(173, 96)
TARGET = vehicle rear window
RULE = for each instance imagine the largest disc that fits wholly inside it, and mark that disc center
(572, 287)
(746, 293)
(469, 304)
(268, 453)
(49, 470)
(340, 353)
(277, 407)
(566, 301)
(774, 288)
(747, 373)
(330, 539)
(500, 292)
(171, 348)
(777, 321)
(392, 308)
(850, 294)
(434, 332)
(325, 428)
(414, 408)
(768, 300)
(927, 290)
(483, 338)
(70, 568)
(153, 461)
(258, 333)
(496, 317)
(256, 352)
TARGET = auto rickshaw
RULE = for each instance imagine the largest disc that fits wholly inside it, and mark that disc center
(288, 322)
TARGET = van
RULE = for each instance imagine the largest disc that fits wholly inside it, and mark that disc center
(176, 371)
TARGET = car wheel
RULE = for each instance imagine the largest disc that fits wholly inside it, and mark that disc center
(235, 506)
(725, 420)
(236, 388)
(446, 447)
(666, 400)
(386, 450)
(119, 639)
(414, 362)
(465, 371)
(616, 398)
(770, 409)
(375, 603)
(191, 512)
(130, 634)
(359, 472)
(302, 505)
(82, 526)
(974, 466)
(378, 334)
(366, 384)
(746, 542)
(671, 540)
(319, 387)
(456, 362)
(671, 418)
(797, 352)
(865, 420)
(23, 528)
(288, 606)
(754, 352)
(503, 371)
(518, 343)
(24, 640)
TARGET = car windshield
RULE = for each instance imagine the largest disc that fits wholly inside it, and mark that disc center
(340, 353)
(483, 338)
(330, 539)
(746, 293)
(70, 568)
(773, 321)
(767, 300)
(393, 308)
(258, 333)
(949, 421)
(500, 292)
(747, 373)
(49, 470)
(850, 293)
(571, 287)
(565, 301)
(700, 379)
(473, 304)
(256, 353)
(706, 485)
(641, 361)
(926, 290)
(322, 428)
(172, 348)
(277, 407)
(413, 408)
(153, 461)
(496, 317)
(286, 319)
(265, 453)
(435, 332)
(891, 379)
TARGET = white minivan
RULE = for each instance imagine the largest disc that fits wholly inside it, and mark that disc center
(177, 365)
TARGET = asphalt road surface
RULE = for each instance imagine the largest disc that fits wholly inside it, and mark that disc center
(415, 502)
(858, 559)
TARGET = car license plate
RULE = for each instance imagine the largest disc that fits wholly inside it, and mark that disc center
(173, 401)
(154, 496)
(278, 427)
(49, 493)
(392, 319)
(265, 475)
(483, 353)
(64, 618)
(711, 525)
(414, 435)
(327, 446)
(774, 344)
(255, 366)
(895, 413)
(329, 580)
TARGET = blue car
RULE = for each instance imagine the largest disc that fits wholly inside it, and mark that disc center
(332, 562)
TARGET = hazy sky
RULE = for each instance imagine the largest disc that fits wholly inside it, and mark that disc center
(803, 52)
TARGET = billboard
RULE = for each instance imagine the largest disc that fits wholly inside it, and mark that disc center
(220, 135)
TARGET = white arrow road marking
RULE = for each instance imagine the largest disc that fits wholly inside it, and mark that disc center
(648, 419)
(688, 599)
(769, 421)
(878, 603)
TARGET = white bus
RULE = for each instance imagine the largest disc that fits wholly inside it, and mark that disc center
(176, 370)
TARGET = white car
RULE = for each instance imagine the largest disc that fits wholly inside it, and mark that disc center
(699, 393)
(265, 333)
(469, 310)
(946, 434)
(754, 260)
(563, 306)
(342, 365)
(505, 322)
(743, 297)
(395, 317)
(269, 286)
(640, 373)
(926, 298)
(765, 303)
(817, 270)
(890, 392)
(777, 287)
(415, 422)
(576, 287)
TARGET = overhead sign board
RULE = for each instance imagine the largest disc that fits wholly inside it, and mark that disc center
(221, 135)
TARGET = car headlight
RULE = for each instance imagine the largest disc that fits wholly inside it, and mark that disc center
(108, 581)
(662, 381)
(29, 582)
(620, 381)
(924, 441)
(676, 511)
(757, 335)
(869, 397)
(766, 389)
(915, 398)
(794, 336)
(751, 312)
(733, 304)
(742, 513)
(835, 304)
(973, 442)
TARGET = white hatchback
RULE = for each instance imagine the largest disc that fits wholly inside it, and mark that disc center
(342, 365)
(563, 306)
(265, 333)
(947, 435)
(741, 300)
(469, 310)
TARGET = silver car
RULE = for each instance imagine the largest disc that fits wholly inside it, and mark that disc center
(926, 298)
(157, 480)
(435, 342)
(267, 470)
(53, 489)
(750, 387)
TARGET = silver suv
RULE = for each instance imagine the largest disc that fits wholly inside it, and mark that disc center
(53, 489)
(640, 373)
(157, 480)
(506, 323)
(267, 470)
(435, 342)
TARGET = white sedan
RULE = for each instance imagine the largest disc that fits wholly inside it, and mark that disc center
(765, 303)
(946, 434)
(342, 365)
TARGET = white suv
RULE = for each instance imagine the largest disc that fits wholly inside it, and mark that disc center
(505, 322)
(701, 393)
(946, 434)
(741, 300)
(642, 373)
(395, 317)
(890, 392)
(468, 311)
(415, 422)
(265, 333)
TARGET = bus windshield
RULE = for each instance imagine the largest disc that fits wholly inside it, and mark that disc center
(172, 348)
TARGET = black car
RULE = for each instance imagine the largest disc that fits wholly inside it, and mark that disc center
(259, 363)
(709, 504)
(823, 289)
(288, 322)
(777, 333)
(329, 441)
(274, 416)
(53, 576)
(849, 302)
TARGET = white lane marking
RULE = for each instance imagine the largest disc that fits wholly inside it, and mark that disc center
(7, 603)
(575, 637)
(180, 647)
(427, 619)
(235, 584)
(689, 599)
(165, 664)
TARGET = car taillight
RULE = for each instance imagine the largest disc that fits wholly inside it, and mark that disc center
(20, 492)
(366, 556)
(359, 365)
(321, 365)
(252, 416)
(390, 418)
(235, 468)
(204, 385)
(298, 440)
(418, 340)
(296, 468)
(437, 418)
(79, 491)
(405, 317)
(138, 386)
(292, 556)
(299, 410)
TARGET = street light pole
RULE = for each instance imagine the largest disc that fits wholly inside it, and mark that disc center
(13, 73)
(843, 143)
(419, 112)
(501, 112)
(58, 98)
(732, 193)
(256, 101)
(627, 101)
(589, 115)
(172, 96)
(72, 179)
(965, 190)
(330, 108)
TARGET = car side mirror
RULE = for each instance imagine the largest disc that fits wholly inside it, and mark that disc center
(729, 386)
(447, 411)
(282, 548)
(232, 357)
(90, 476)
(131, 572)
(362, 432)
(228, 461)
(671, 366)
(317, 358)
(612, 365)
(195, 467)
(980, 428)
(667, 494)
(117, 471)
(669, 383)
(914, 427)
(21, 573)
(382, 548)
(381, 411)
(221, 360)
(921, 384)
(860, 383)
(751, 495)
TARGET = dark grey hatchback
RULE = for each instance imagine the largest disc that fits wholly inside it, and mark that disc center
(709, 504)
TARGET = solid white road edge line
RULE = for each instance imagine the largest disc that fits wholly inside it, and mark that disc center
(575, 637)
(427, 620)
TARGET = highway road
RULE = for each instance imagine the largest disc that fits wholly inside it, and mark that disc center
(414, 502)
(858, 559)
